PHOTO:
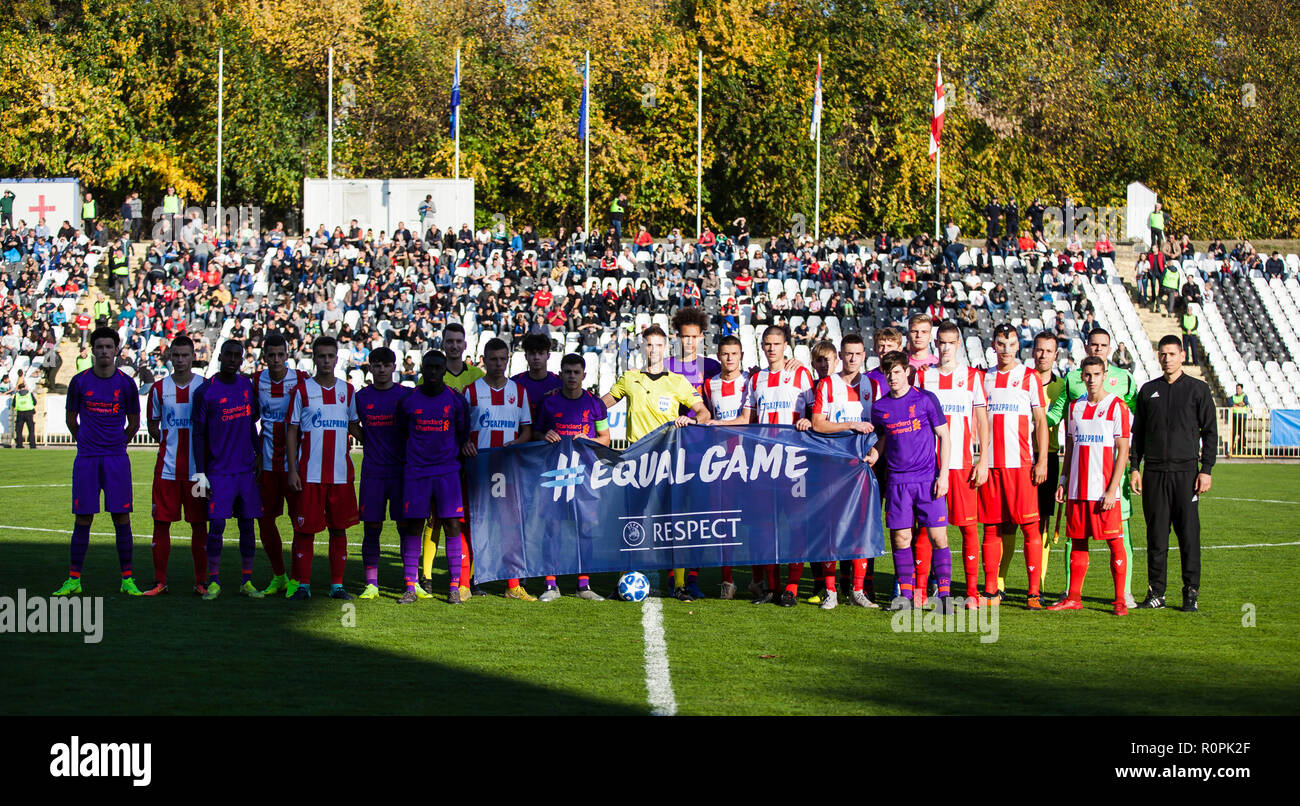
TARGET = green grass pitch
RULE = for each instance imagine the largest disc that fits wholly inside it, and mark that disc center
(180, 655)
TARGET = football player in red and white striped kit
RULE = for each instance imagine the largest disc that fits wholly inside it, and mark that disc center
(320, 474)
(1017, 407)
(173, 494)
(498, 415)
(843, 403)
(726, 395)
(1097, 436)
(960, 390)
(275, 387)
(780, 394)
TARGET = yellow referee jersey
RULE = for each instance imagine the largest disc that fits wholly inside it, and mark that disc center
(465, 379)
(651, 402)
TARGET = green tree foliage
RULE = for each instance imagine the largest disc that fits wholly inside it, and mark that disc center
(1197, 100)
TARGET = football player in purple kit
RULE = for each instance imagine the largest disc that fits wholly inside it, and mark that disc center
(907, 421)
(384, 454)
(227, 458)
(568, 413)
(435, 419)
(538, 382)
(689, 323)
(103, 413)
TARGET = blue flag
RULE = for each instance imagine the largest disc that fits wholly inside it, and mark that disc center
(582, 109)
(679, 497)
(455, 98)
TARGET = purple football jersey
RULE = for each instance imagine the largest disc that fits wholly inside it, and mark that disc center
(537, 390)
(225, 427)
(697, 371)
(385, 444)
(102, 406)
(435, 429)
(572, 418)
(907, 425)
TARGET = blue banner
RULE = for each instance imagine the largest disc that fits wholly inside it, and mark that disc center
(698, 496)
(1284, 428)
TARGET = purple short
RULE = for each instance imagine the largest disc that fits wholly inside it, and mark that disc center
(375, 493)
(92, 474)
(912, 503)
(420, 495)
(226, 490)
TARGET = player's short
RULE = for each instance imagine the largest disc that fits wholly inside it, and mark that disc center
(378, 491)
(1047, 490)
(963, 498)
(92, 475)
(1008, 497)
(439, 496)
(324, 506)
(274, 488)
(1088, 519)
(172, 497)
(913, 502)
(234, 495)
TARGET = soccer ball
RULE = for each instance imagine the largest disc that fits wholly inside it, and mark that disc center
(633, 586)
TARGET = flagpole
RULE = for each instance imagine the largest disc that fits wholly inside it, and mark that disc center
(699, 139)
(458, 115)
(329, 158)
(221, 89)
(938, 157)
(817, 199)
(586, 148)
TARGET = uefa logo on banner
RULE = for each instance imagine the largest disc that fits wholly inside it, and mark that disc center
(633, 534)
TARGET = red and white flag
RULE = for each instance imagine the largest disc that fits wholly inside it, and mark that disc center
(936, 123)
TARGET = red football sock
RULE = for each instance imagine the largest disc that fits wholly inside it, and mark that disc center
(922, 551)
(199, 551)
(1078, 568)
(512, 582)
(1118, 557)
(860, 573)
(970, 556)
(726, 574)
(271, 544)
(992, 551)
(304, 548)
(793, 575)
(162, 549)
(467, 555)
(1033, 555)
(338, 555)
(757, 572)
(769, 575)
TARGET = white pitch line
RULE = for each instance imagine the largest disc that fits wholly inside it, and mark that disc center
(186, 538)
(1253, 500)
(658, 682)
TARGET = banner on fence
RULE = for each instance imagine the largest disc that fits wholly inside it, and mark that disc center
(698, 496)
(1284, 428)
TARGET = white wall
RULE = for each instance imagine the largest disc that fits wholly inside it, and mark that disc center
(379, 204)
(1141, 201)
(64, 195)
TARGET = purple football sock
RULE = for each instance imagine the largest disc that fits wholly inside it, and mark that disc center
(370, 552)
(247, 549)
(904, 568)
(455, 559)
(124, 546)
(411, 559)
(941, 562)
(215, 528)
(80, 542)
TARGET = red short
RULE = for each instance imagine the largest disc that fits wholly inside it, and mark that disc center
(273, 486)
(324, 506)
(171, 497)
(1009, 496)
(1087, 519)
(963, 500)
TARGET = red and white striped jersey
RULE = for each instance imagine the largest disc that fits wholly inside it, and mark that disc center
(780, 398)
(842, 403)
(1012, 396)
(276, 398)
(496, 415)
(726, 399)
(323, 416)
(169, 406)
(960, 392)
(1094, 427)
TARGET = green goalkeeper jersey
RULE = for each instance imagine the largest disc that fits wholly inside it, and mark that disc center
(1119, 382)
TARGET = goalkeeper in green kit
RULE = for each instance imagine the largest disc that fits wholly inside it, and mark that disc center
(1120, 383)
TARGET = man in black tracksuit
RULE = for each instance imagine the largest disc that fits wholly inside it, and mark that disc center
(1174, 430)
